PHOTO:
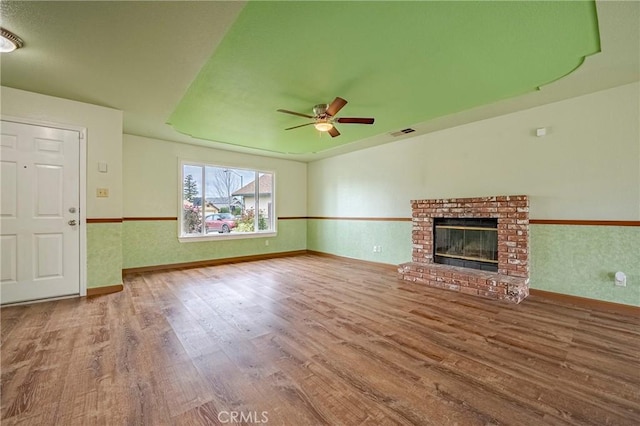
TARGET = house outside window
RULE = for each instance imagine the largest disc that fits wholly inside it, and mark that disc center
(225, 202)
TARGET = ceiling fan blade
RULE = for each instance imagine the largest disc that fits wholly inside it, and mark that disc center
(334, 132)
(295, 113)
(336, 106)
(302, 125)
(355, 120)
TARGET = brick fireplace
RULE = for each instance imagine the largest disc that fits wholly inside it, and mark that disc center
(511, 281)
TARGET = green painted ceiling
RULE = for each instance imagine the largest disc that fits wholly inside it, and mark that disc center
(400, 62)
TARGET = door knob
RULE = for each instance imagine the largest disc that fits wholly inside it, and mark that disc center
(72, 222)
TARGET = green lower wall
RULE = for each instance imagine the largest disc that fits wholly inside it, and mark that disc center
(581, 261)
(104, 254)
(568, 259)
(150, 243)
(356, 238)
(574, 260)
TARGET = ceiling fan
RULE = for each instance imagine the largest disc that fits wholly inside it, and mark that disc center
(324, 117)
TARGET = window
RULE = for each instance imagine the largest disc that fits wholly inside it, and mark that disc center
(224, 202)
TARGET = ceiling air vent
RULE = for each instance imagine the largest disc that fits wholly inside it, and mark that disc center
(403, 132)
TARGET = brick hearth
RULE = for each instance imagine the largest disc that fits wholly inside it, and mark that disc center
(510, 283)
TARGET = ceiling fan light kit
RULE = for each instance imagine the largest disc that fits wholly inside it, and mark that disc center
(323, 125)
(324, 116)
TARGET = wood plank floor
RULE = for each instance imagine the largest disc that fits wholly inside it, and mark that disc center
(310, 340)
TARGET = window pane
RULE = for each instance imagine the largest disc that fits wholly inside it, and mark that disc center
(257, 198)
(223, 208)
(192, 200)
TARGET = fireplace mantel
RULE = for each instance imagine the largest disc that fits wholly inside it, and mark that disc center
(510, 283)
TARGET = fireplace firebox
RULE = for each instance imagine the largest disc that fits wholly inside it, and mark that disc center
(466, 242)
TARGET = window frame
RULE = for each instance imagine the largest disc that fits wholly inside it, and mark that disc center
(183, 238)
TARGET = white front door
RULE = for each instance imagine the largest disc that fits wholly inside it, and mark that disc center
(39, 212)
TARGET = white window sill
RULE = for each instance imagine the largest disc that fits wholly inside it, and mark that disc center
(224, 237)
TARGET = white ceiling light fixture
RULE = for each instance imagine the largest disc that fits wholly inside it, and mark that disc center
(9, 41)
(323, 125)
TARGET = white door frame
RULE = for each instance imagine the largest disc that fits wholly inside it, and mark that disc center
(83, 186)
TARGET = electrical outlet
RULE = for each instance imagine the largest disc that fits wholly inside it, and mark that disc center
(266, 242)
(375, 249)
(620, 279)
(102, 192)
(379, 249)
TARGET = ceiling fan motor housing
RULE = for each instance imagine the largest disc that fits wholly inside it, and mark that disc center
(320, 109)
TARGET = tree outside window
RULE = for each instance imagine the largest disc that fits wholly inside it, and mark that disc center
(191, 213)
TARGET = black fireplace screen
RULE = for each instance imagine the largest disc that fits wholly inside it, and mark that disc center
(466, 242)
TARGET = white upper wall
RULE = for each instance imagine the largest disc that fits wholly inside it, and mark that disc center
(151, 182)
(586, 167)
(104, 140)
